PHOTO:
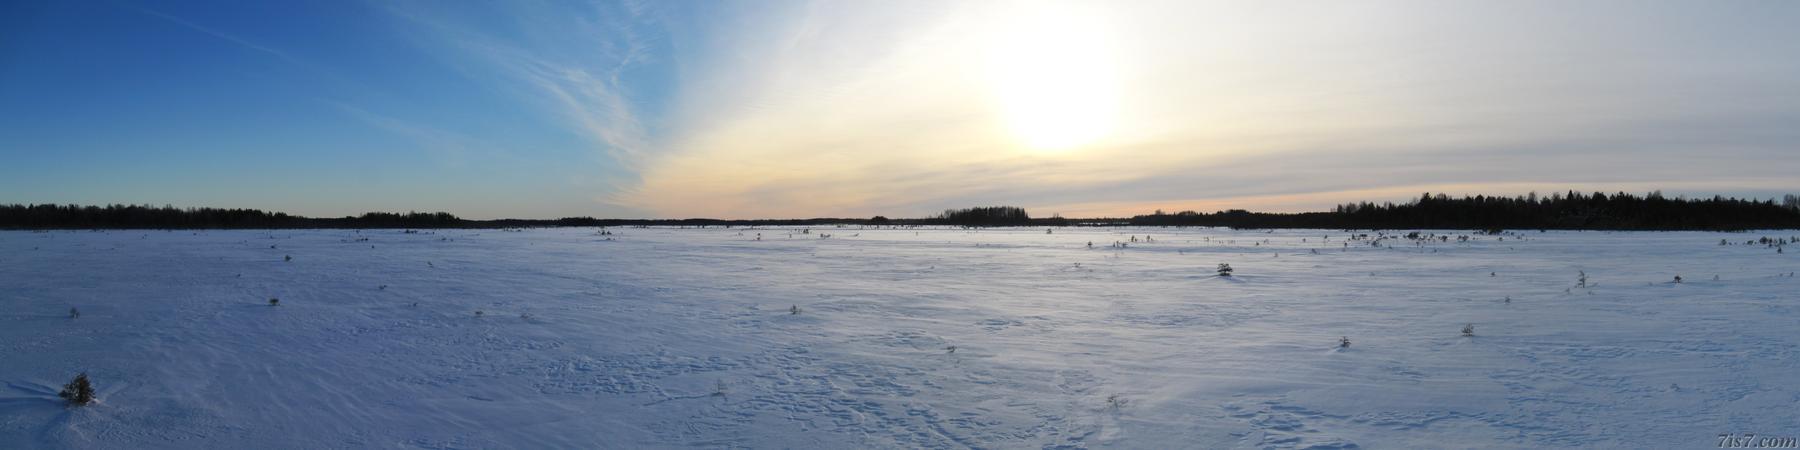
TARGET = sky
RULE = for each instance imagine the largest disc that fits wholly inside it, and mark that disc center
(788, 109)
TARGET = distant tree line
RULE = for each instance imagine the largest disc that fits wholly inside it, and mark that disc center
(985, 216)
(1573, 210)
(169, 217)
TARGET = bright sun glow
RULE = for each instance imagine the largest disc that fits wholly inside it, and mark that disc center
(1053, 79)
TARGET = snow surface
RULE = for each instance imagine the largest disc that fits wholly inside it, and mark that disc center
(685, 338)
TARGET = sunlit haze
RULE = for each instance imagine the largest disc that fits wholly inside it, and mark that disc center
(772, 109)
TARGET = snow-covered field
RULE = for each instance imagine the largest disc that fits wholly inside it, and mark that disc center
(686, 338)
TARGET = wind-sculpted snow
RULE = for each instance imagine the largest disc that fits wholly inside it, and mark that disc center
(894, 338)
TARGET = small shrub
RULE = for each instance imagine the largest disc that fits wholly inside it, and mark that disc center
(74, 313)
(1225, 270)
(288, 258)
(274, 301)
(1115, 401)
(1468, 330)
(950, 349)
(794, 310)
(79, 391)
(1344, 342)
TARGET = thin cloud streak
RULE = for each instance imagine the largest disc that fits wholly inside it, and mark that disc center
(218, 34)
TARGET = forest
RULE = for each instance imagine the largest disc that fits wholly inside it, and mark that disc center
(1570, 211)
(1564, 211)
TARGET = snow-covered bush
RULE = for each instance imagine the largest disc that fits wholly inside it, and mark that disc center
(1469, 330)
(1344, 342)
(794, 310)
(78, 392)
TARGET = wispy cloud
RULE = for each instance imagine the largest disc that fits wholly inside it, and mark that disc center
(572, 62)
(245, 43)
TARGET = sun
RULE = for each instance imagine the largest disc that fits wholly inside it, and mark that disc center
(1053, 79)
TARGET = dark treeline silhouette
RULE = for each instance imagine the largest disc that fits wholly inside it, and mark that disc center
(17, 216)
(985, 216)
(1574, 210)
(145, 216)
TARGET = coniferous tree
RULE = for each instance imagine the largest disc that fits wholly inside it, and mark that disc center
(79, 391)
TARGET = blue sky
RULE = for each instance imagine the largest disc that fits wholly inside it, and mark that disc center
(802, 109)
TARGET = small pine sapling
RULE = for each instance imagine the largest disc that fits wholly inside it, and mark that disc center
(1225, 270)
(1468, 330)
(1344, 342)
(274, 301)
(79, 391)
(288, 258)
(1678, 279)
(74, 313)
(794, 310)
